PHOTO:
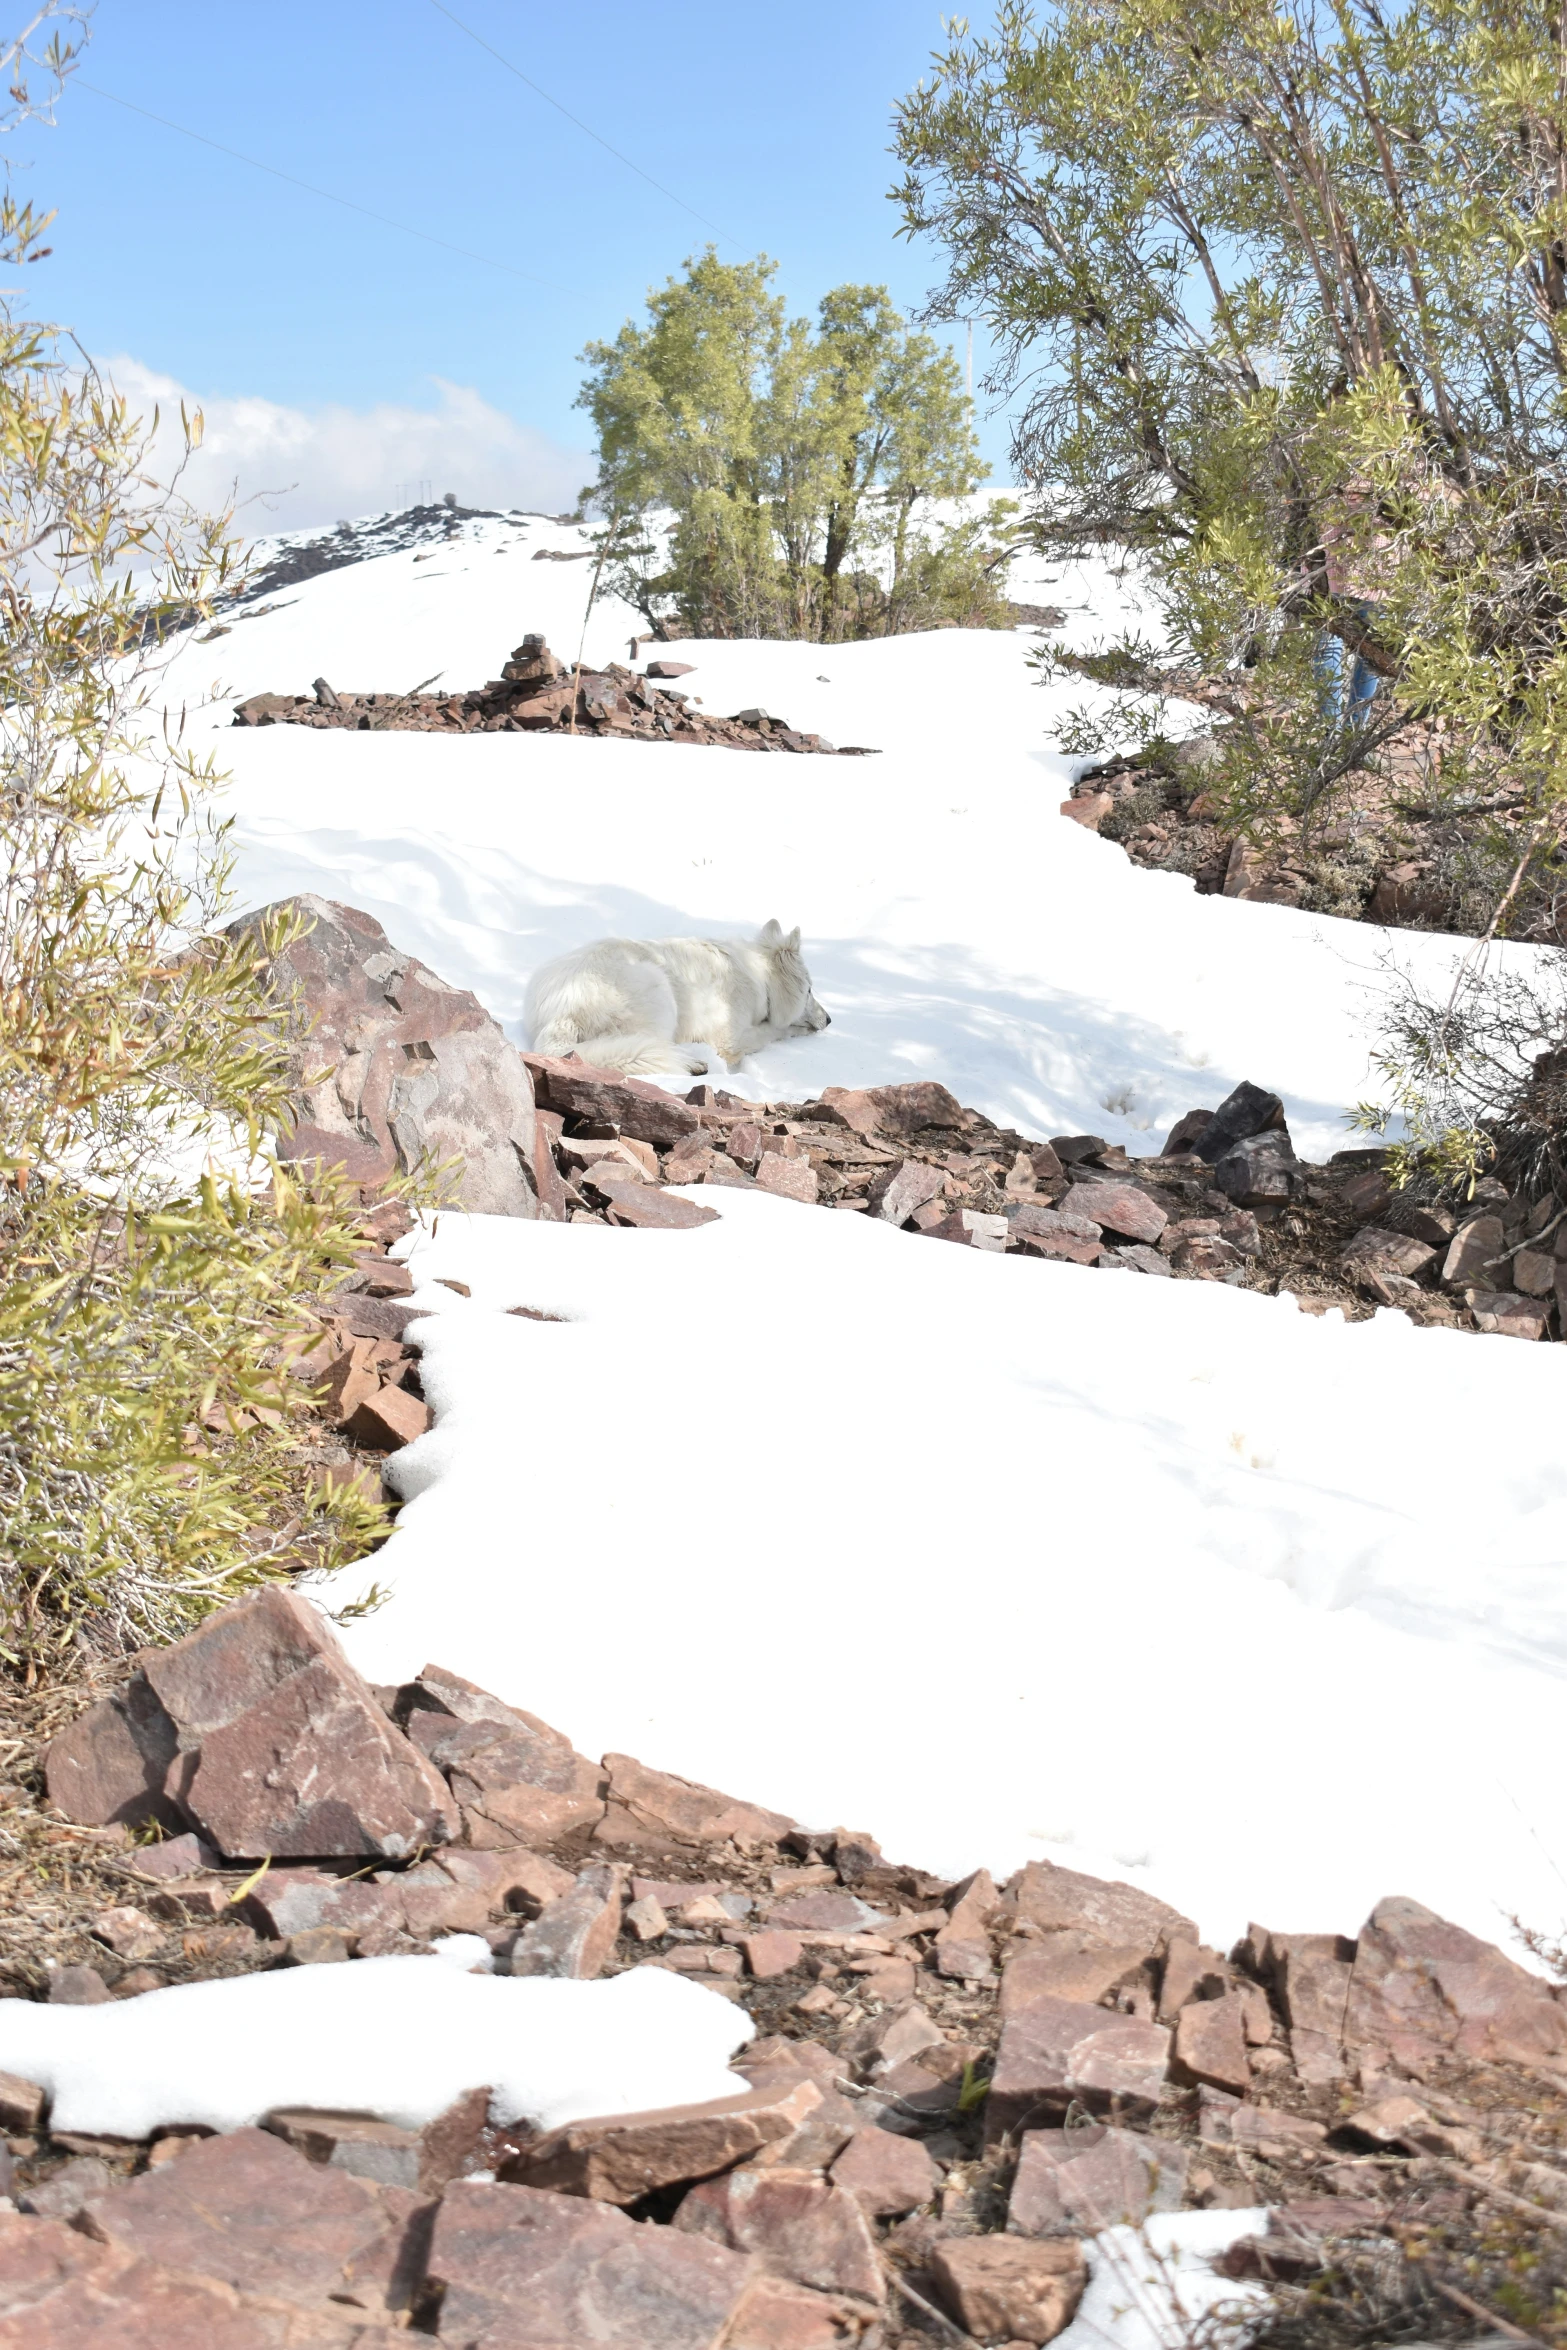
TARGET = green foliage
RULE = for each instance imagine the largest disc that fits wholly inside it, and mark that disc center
(765, 478)
(1283, 290)
(152, 1265)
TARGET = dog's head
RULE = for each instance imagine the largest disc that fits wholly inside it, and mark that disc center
(790, 1003)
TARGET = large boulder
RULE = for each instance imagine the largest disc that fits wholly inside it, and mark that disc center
(394, 1069)
(257, 1730)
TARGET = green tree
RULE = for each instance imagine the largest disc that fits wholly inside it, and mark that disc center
(1284, 292)
(153, 1264)
(785, 478)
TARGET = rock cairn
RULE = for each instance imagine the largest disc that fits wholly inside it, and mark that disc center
(534, 695)
(955, 2082)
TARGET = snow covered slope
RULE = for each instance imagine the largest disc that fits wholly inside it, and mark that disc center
(1000, 1559)
(956, 926)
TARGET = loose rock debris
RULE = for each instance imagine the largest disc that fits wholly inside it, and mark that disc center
(537, 693)
(952, 2087)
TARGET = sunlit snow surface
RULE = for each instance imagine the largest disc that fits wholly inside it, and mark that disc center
(399, 2037)
(993, 1559)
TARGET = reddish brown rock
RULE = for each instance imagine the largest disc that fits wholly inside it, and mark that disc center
(417, 1073)
(1053, 1232)
(1089, 809)
(59, 2291)
(901, 1110)
(619, 2158)
(175, 1856)
(1099, 1908)
(1377, 1250)
(1191, 1971)
(111, 1763)
(971, 1228)
(1008, 2288)
(575, 1089)
(657, 1812)
(886, 2175)
(796, 2223)
(789, 1178)
(427, 2160)
(893, 2038)
(895, 1192)
(287, 1903)
(1475, 1253)
(963, 1944)
(388, 1419)
(1078, 2181)
(22, 2103)
(824, 1910)
(1210, 2044)
(516, 1779)
(520, 2270)
(1421, 1987)
(1505, 1314)
(644, 1209)
(1311, 1974)
(314, 1768)
(1120, 1208)
(1058, 2051)
(575, 1935)
(1066, 1966)
(780, 2316)
(248, 2211)
(772, 1953)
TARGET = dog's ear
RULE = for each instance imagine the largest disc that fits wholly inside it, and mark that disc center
(769, 935)
(792, 942)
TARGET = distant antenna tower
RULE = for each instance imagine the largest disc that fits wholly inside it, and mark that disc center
(411, 493)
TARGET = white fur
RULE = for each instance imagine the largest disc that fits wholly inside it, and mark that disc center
(632, 1004)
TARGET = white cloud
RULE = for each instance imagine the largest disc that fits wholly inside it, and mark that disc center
(294, 468)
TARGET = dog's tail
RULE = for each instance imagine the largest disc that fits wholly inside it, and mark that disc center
(633, 1056)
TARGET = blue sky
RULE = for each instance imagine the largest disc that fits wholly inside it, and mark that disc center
(325, 342)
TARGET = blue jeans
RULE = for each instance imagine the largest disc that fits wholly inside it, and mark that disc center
(1330, 661)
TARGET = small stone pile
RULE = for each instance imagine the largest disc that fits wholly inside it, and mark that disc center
(954, 2084)
(537, 693)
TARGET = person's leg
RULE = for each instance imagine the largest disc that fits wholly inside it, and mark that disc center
(1328, 663)
(1363, 681)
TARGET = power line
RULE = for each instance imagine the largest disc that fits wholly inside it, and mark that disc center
(325, 194)
(540, 92)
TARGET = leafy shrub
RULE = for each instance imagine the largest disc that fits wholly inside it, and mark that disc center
(152, 1264)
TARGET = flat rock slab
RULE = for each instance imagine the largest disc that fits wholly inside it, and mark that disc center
(1002, 2288)
(658, 1812)
(1101, 1908)
(516, 1781)
(575, 1089)
(263, 1735)
(1066, 1966)
(1077, 2182)
(521, 2270)
(1059, 2052)
(886, 2175)
(1420, 1985)
(799, 2226)
(60, 2291)
(622, 2157)
(1118, 1207)
(251, 2213)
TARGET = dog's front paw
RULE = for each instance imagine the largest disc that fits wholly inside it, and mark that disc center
(696, 1068)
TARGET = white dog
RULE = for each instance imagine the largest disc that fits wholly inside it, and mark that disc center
(639, 1005)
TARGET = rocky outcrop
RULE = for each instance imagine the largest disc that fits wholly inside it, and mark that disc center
(538, 693)
(395, 1070)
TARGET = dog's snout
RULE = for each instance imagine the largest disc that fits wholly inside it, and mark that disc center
(827, 1019)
